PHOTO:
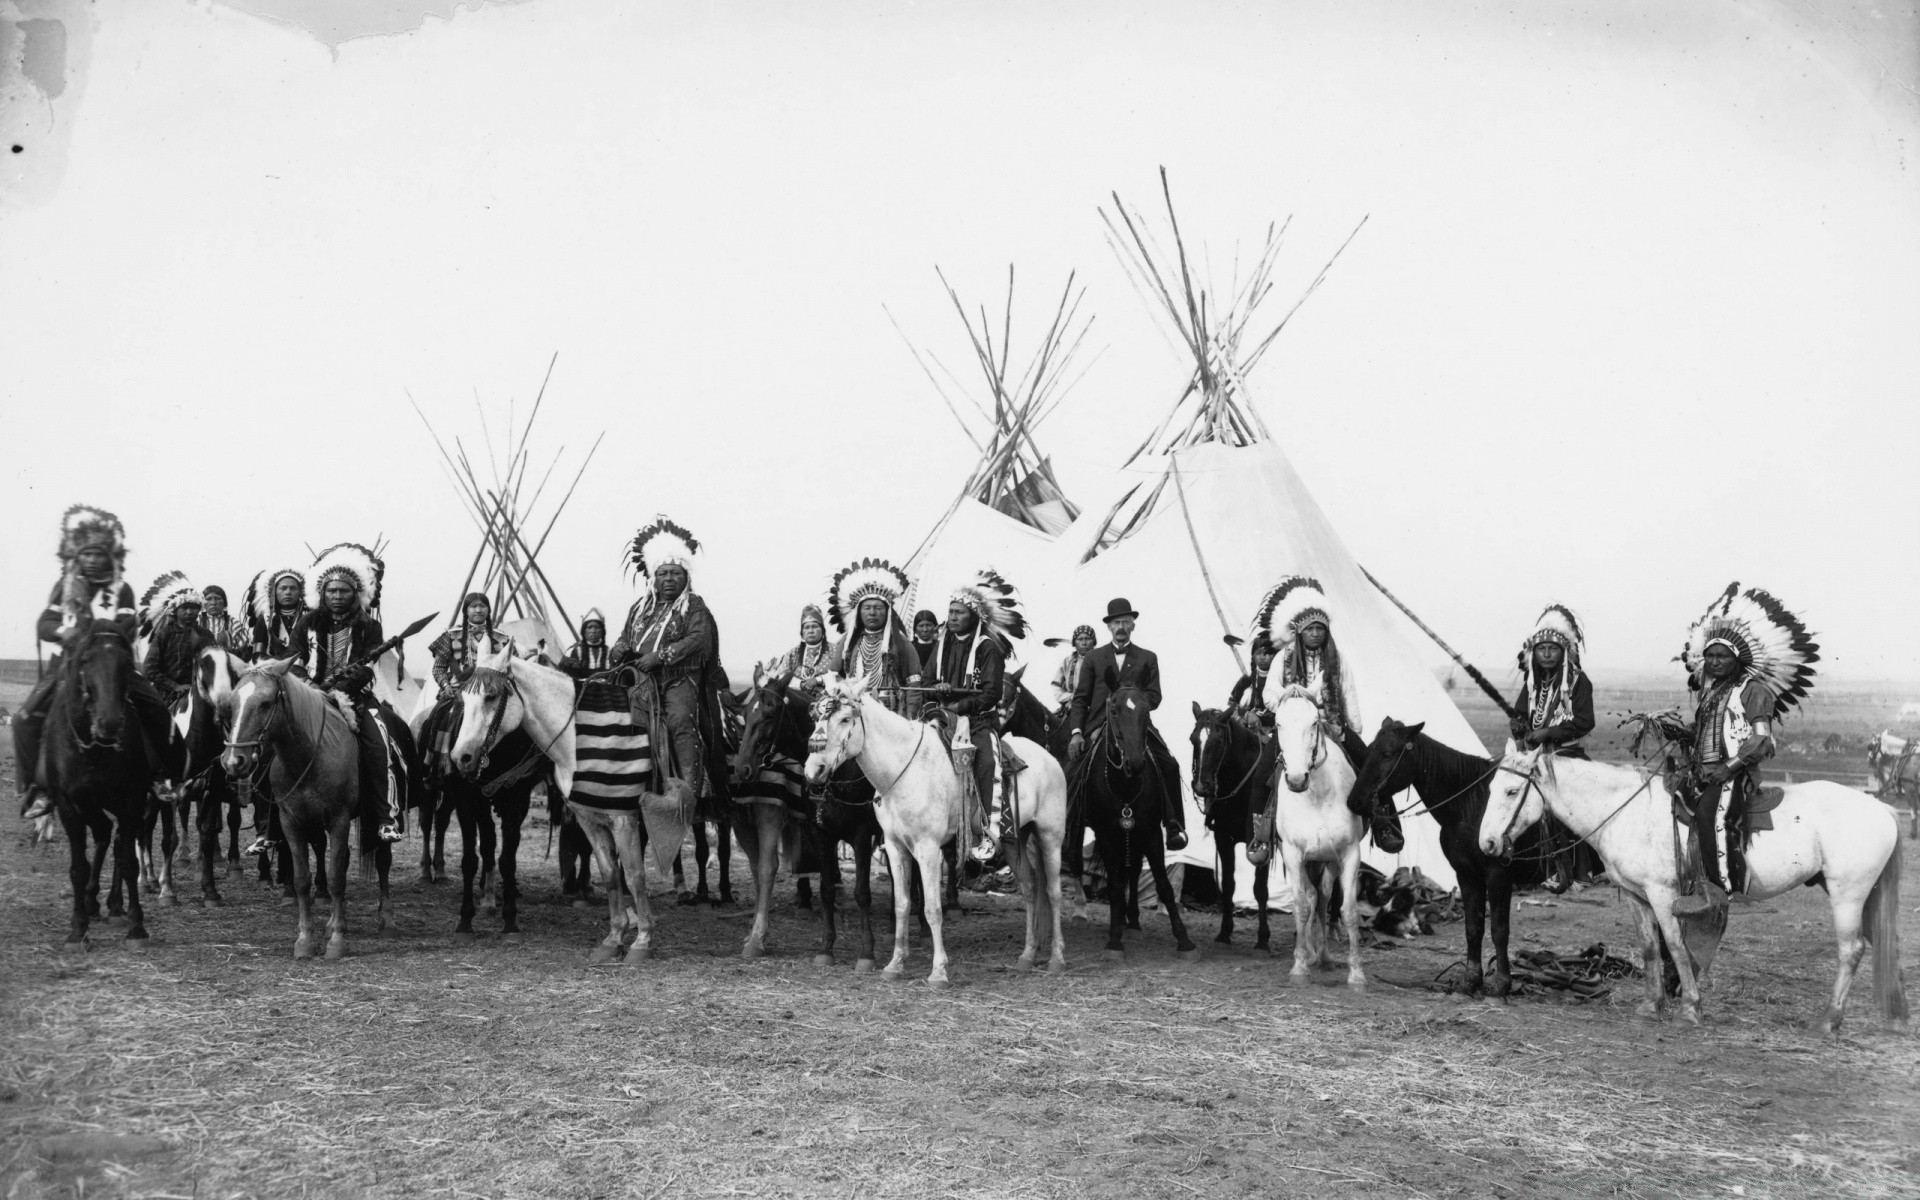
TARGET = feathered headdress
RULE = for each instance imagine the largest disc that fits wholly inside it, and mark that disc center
(995, 602)
(83, 526)
(1772, 644)
(166, 594)
(258, 601)
(869, 577)
(660, 543)
(352, 562)
(1288, 607)
(1557, 624)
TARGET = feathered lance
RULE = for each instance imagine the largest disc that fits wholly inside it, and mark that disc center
(1472, 671)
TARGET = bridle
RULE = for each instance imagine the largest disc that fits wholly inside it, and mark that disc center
(84, 689)
(275, 718)
(1318, 754)
(1531, 775)
(1229, 729)
(488, 683)
(817, 743)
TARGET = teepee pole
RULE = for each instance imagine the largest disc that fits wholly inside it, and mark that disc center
(1472, 671)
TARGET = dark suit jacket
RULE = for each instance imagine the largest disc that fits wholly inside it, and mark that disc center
(1101, 676)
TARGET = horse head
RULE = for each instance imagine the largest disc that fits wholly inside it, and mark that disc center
(1212, 742)
(259, 697)
(100, 665)
(1127, 729)
(1386, 770)
(1515, 800)
(491, 706)
(1300, 733)
(839, 731)
(760, 718)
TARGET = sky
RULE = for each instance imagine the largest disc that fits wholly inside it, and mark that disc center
(1632, 315)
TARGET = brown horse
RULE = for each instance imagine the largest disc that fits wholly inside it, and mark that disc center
(96, 768)
(314, 770)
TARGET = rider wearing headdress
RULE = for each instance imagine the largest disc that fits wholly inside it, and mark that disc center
(1750, 660)
(967, 675)
(93, 558)
(1122, 662)
(812, 658)
(671, 637)
(1294, 617)
(874, 645)
(1555, 706)
(457, 650)
(339, 630)
(589, 655)
(275, 602)
(225, 630)
(1067, 678)
(170, 615)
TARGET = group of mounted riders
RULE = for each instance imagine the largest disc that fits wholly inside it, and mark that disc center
(952, 673)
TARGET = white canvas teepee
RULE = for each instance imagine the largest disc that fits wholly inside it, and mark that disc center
(1011, 508)
(1208, 513)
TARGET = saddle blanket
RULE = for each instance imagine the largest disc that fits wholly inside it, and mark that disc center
(613, 761)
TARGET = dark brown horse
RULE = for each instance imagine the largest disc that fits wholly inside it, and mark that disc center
(1232, 769)
(97, 771)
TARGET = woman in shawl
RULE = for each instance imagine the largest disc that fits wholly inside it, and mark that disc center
(808, 661)
(454, 654)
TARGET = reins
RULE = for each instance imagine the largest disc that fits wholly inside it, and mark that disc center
(1532, 782)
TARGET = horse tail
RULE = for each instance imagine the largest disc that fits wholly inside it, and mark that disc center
(1883, 930)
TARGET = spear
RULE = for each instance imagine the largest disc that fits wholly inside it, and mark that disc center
(1472, 671)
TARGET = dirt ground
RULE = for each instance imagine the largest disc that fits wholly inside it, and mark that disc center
(211, 1064)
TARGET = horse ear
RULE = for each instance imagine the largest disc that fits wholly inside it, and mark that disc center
(1512, 748)
(857, 689)
(276, 666)
(1414, 728)
(759, 675)
(1197, 712)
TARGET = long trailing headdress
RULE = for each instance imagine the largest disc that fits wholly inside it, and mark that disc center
(659, 543)
(862, 580)
(258, 601)
(360, 567)
(163, 596)
(83, 525)
(1772, 645)
(1560, 625)
(1288, 607)
(996, 603)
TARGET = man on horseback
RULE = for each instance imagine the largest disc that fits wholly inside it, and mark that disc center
(1121, 663)
(223, 630)
(173, 607)
(332, 645)
(1555, 706)
(1749, 659)
(455, 652)
(1249, 696)
(812, 658)
(588, 656)
(1067, 679)
(275, 602)
(671, 639)
(1294, 618)
(93, 555)
(968, 675)
(874, 646)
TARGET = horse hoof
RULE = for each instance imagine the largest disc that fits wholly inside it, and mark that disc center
(215, 902)
(1299, 978)
(463, 935)
(1116, 955)
(1690, 1013)
(75, 946)
(823, 960)
(1225, 939)
(302, 952)
(1023, 965)
(336, 949)
(752, 950)
(1647, 1009)
(864, 966)
(602, 954)
(637, 955)
(939, 985)
(171, 899)
(1190, 954)
(512, 937)
(139, 941)
(1357, 986)
(893, 975)
(1056, 967)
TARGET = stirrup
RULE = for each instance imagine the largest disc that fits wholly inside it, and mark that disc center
(1176, 839)
(1387, 838)
(984, 849)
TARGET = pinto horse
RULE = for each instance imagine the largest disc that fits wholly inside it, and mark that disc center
(1453, 787)
(96, 768)
(1232, 773)
(773, 742)
(1121, 797)
(1823, 832)
(313, 766)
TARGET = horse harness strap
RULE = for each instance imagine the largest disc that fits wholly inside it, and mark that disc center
(1645, 784)
(880, 794)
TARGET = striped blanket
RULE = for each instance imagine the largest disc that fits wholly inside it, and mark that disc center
(613, 764)
(780, 781)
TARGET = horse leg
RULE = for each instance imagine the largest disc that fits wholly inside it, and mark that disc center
(84, 878)
(700, 848)
(863, 897)
(442, 817)
(212, 808)
(337, 852)
(1848, 906)
(767, 819)
(510, 822)
(1350, 916)
(1169, 900)
(1682, 961)
(1306, 901)
(829, 900)
(723, 857)
(950, 893)
(469, 866)
(633, 857)
(1650, 969)
(489, 856)
(601, 840)
(1116, 896)
(1260, 893)
(900, 868)
(929, 857)
(1223, 859)
(1050, 851)
(1498, 898)
(430, 802)
(124, 842)
(322, 889)
(231, 798)
(1474, 882)
(803, 892)
(283, 859)
(170, 844)
(301, 880)
(102, 850)
(1026, 875)
(380, 855)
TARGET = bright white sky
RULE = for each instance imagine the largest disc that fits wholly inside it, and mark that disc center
(1634, 314)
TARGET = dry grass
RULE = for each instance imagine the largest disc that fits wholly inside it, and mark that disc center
(416, 1067)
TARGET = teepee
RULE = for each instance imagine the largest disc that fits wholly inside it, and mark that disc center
(1011, 508)
(1214, 514)
(506, 566)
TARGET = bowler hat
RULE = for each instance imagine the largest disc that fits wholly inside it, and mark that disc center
(1118, 607)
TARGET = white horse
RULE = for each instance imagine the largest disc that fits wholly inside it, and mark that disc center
(1822, 833)
(917, 801)
(1314, 825)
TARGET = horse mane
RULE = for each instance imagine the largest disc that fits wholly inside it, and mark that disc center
(308, 706)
